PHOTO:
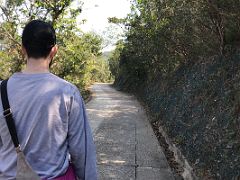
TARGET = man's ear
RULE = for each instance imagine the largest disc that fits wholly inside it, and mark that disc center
(53, 51)
(24, 52)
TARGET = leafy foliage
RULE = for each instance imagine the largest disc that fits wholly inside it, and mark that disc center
(114, 59)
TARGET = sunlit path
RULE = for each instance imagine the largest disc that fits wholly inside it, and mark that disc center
(126, 146)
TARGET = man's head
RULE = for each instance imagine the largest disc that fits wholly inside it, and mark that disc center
(39, 40)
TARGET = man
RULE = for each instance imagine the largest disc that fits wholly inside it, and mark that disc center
(49, 115)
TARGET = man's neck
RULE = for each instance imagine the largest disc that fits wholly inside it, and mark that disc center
(35, 66)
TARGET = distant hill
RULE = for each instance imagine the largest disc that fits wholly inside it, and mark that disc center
(106, 54)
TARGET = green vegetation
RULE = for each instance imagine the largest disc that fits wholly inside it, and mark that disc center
(79, 57)
(182, 59)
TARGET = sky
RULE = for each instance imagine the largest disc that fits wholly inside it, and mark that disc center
(96, 12)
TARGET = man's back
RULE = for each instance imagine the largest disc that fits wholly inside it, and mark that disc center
(48, 113)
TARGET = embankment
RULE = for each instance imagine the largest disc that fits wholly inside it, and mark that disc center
(199, 109)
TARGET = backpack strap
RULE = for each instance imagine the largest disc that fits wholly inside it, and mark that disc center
(7, 113)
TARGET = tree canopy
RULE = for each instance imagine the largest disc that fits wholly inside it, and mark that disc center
(78, 51)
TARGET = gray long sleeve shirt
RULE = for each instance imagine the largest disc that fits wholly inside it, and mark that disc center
(51, 123)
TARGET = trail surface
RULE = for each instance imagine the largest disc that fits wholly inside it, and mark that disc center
(127, 148)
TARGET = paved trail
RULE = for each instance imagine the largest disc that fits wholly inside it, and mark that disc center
(126, 146)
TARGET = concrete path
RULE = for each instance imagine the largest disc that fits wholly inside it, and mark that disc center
(127, 148)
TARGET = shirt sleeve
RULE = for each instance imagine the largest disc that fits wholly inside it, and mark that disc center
(80, 141)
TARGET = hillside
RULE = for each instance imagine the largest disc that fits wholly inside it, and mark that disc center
(199, 108)
(181, 58)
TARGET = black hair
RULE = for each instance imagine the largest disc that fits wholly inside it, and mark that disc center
(38, 38)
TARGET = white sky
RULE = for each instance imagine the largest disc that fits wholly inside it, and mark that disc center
(96, 12)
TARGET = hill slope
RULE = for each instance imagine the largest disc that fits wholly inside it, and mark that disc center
(199, 108)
